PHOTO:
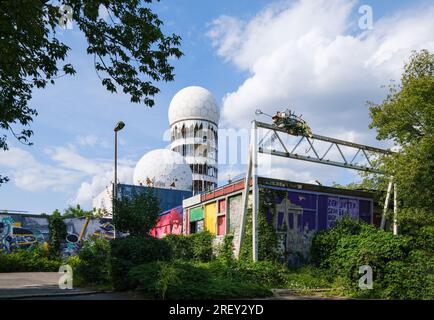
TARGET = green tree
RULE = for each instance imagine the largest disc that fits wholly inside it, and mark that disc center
(76, 212)
(406, 116)
(136, 214)
(129, 48)
(57, 231)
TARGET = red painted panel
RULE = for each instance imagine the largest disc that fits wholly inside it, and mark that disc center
(221, 225)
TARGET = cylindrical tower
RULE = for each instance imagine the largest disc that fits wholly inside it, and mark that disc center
(194, 117)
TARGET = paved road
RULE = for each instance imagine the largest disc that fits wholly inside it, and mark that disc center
(43, 285)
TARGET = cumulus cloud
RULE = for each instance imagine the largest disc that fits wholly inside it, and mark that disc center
(30, 174)
(69, 171)
(311, 57)
(98, 182)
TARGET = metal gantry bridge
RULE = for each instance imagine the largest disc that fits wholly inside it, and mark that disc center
(272, 143)
(273, 135)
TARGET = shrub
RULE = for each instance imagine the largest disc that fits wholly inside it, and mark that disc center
(202, 246)
(30, 260)
(410, 279)
(372, 247)
(73, 261)
(265, 273)
(324, 243)
(190, 280)
(93, 267)
(196, 246)
(181, 246)
(132, 251)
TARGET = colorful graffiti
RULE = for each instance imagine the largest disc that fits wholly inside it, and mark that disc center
(297, 216)
(79, 229)
(6, 234)
(169, 222)
(21, 231)
(13, 235)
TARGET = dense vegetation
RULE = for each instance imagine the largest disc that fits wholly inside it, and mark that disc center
(29, 260)
(401, 268)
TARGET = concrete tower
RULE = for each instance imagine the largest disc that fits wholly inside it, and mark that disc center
(194, 117)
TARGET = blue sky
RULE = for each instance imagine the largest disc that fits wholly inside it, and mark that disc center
(72, 152)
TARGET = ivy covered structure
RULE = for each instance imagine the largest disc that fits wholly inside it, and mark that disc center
(294, 211)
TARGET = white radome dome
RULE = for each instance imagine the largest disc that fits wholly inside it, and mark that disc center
(164, 169)
(193, 103)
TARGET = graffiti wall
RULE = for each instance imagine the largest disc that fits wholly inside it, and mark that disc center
(169, 222)
(297, 216)
(83, 228)
(22, 231)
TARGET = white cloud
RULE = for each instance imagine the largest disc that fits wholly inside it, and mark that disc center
(69, 158)
(303, 55)
(92, 140)
(310, 57)
(69, 171)
(29, 174)
(98, 182)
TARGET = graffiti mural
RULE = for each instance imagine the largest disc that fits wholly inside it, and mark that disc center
(23, 231)
(79, 229)
(297, 216)
(20, 232)
(6, 233)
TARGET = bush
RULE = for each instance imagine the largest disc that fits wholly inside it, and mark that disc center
(410, 279)
(30, 260)
(266, 273)
(191, 280)
(370, 247)
(202, 246)
(131, 251)
(93, 266)
(402, 265)
(196, 246)
(73, 262)
(181, 246)
(324, 243)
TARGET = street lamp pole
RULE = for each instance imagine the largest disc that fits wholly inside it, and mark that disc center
(119, 126)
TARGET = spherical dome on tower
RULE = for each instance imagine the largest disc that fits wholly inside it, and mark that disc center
(163, 168)
(193, 103)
